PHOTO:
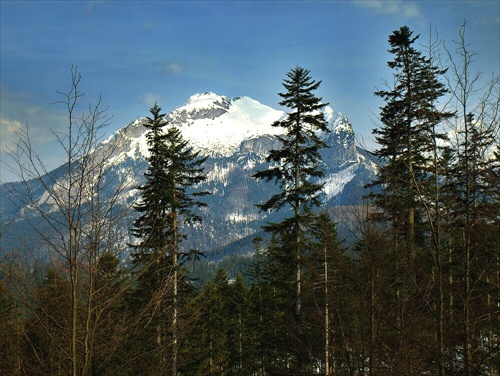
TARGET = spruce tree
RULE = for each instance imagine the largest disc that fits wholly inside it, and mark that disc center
(239, 341)
(408, 121)
(46, 338)
(167, 203)
(295, 168)
(407, 185)
(474, 239)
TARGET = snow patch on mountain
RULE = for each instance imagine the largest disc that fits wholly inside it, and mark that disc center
(139, 146)
(217, 126)
(335, 182)
(238, 217)
(220, 173)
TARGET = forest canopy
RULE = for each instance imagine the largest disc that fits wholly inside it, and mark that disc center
(416, 293)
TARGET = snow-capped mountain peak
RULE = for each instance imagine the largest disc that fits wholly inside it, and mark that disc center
(337, 121)
(204, 100)
(217, 125)
(237, 135)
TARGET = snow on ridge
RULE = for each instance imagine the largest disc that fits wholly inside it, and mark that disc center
(245, 118)
(337, 122)
(139, 144)
(330, 114)
(207, 97)
(217, 126)
(203, 101)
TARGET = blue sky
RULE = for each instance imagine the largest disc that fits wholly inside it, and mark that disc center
(133, 53)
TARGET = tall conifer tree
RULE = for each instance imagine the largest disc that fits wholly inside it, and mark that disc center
(166, 203)
(408, 122)
(295, 167)
(406, 181)
(297, 163)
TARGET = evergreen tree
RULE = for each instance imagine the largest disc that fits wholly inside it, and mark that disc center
(258, 323)
(474, 239)
(47, 339)
(238, 315)
(167, 203)
(408, 121)
(109, 305)
(407, 188)
(296, 168)
(209, 342)
(297, 162)
(374, 277)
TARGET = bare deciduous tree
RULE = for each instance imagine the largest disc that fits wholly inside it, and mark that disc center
(75, 213)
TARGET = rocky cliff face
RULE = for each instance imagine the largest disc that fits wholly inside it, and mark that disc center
(236, 135)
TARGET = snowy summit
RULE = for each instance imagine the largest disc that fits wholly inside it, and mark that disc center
(217, 125)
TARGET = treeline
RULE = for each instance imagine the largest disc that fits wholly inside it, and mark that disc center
(417, 294)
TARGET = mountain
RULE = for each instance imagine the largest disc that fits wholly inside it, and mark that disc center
(235, 134)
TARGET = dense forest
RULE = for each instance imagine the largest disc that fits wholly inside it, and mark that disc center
(416, 293)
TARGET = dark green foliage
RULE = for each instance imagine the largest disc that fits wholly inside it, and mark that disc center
(298, 161)
(406, 203)
(408, 121)
(432, 223)
(110, 307)
(205, 269)
(47, 339)
(165, 197)
(151, 227)
(220, 340)
(167, 203)
(166, 200)
(295, 168)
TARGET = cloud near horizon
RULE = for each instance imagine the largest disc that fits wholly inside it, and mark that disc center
(9, 130)
(19, 112)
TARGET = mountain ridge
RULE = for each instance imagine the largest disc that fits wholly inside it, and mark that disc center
(235, 134)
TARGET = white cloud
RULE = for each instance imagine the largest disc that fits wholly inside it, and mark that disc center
(8, 132)
(18, 112)
(400, 8)
(149, 99)
(173, 68)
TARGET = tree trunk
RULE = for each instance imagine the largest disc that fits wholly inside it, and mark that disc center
(327, 314)
(175, 294)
